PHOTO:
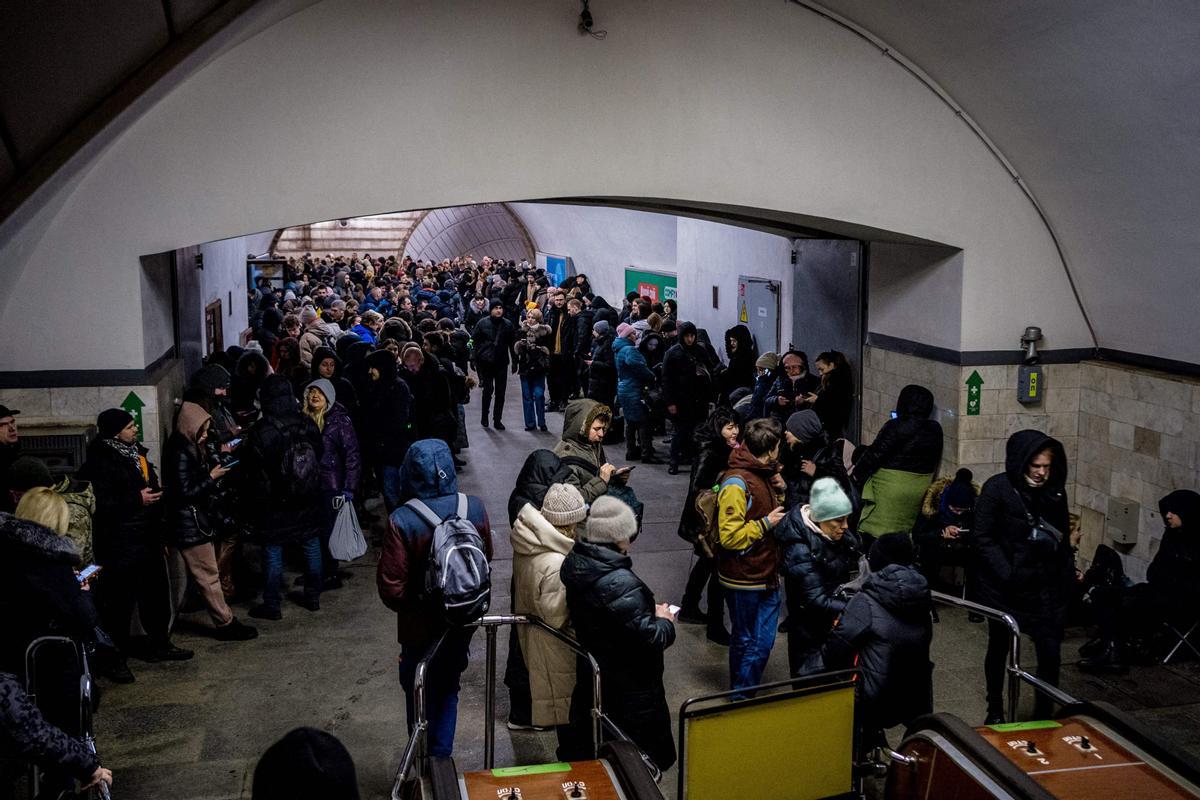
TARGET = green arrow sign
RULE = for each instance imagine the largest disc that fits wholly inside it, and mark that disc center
(133, 405)
(974, 394)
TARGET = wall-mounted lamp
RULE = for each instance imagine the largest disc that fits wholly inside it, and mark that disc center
(1029, 340)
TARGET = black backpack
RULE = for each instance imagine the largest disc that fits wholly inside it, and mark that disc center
(299, 472)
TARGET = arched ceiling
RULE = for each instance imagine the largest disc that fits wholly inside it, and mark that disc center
(487, 229)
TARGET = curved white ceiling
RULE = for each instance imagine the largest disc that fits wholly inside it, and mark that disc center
(486, 229)
(1097, 105)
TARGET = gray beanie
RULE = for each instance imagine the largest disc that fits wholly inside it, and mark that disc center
(610, 521)
(602, 327)
(308, 315)
(325, 387)
(828, 501)
(563, 505)
(804, 425)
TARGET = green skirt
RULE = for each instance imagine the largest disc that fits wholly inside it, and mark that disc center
(891, 501)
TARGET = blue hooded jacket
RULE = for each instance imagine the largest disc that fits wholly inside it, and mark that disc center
(428, 474)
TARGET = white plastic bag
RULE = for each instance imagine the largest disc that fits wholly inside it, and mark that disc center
(346, 542)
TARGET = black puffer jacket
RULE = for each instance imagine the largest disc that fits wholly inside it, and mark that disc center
(683, 376)
(740, 371)
(433, 413)
(39, 595)
(888, 627)
(815, 566)
(1031, 578)
(122, 529)
(190, 494)
(492, 337)
(602, 373)
(387, 406)
(342, 387)
(277, 515)
(26, 737)
(533, 481)
(910, 443)
(613, 614)
(711, 459)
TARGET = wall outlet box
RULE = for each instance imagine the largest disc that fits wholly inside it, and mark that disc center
(1031, 383)
(1122, 520)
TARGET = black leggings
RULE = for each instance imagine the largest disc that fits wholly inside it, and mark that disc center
(704, 576)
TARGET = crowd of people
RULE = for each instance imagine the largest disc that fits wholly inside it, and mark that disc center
(356, 384)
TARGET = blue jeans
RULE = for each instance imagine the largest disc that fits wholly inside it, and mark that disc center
(533, 400)
(441, 687)
(390, 485)
(754, 618)
(272, 562)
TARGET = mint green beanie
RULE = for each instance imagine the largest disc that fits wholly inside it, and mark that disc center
(828, 501)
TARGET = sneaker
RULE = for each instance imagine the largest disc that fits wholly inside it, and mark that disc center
(168, 652)
(692, 615)
(524, 726)
(673, 469)
(264, 611)
(458, 462)
(499, 425)
(236, 631)
(633, 456)
(543, 428)
(718, 635)
(483, 422)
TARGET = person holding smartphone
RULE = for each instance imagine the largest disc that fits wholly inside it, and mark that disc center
(942, 535)
(126, 538)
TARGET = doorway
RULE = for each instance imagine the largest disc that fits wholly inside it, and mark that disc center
(758, 310)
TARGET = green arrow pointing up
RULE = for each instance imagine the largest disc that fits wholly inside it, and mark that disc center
(133, 405)
(973, 393)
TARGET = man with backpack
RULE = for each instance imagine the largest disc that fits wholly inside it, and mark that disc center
(434, 574)
(280, 469)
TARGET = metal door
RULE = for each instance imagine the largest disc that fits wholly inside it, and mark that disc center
(829, 306)
(758, 310)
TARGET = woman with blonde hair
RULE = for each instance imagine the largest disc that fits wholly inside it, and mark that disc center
(46, 507)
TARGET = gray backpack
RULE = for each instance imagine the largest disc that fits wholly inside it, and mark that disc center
(457, 575)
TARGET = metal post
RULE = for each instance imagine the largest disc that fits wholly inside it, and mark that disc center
(489, 701)
(1014, 673)
(597, 711)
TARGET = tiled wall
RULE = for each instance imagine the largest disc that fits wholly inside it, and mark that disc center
(45, 411)
(1139, 438)
(1128, 432)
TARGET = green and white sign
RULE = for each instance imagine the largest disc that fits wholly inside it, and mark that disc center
(658, 286)
(133, 406)
(974, 393)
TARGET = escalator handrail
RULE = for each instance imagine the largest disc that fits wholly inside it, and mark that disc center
(991, 761)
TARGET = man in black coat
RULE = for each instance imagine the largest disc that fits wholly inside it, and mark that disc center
(493, 336)
(618, 622)
(885, 630)
(10, 450)
(562, 350)
(684, 392)
(1025, 562)
(127, 538)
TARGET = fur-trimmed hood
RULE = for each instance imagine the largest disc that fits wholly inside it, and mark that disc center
(932, 503)
(22, 538)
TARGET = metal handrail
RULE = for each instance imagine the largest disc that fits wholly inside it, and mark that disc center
(414, 751)
(87, 736)
(1016, 673)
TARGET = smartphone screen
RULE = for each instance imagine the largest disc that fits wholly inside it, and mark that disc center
(234, 442)
(673, 609)
(87, 572)
(231, 464)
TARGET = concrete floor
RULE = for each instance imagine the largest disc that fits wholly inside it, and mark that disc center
(194, 730)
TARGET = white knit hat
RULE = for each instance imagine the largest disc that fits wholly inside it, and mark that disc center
(563, 505)
(610, 521)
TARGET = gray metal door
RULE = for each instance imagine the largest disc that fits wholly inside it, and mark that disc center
(829, 306)
(758, 310)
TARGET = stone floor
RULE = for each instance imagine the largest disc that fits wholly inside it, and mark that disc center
(194, 730)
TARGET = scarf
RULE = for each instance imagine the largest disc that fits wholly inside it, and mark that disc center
(133, 453)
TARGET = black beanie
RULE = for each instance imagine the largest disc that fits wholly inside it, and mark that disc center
(960, 493)
(495, 304)
(112, 421)
(891, 548)
(306, 764)
(27, 472)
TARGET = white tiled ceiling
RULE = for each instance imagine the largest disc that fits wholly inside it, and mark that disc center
(488, 229)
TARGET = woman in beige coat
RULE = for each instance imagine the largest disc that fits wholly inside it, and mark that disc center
(541, 540)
